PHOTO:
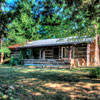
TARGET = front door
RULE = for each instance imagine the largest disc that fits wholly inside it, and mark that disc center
(56, 53)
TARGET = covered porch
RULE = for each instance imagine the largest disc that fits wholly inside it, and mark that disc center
(57, 55)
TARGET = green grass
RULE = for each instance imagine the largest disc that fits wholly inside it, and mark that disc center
(25, 83)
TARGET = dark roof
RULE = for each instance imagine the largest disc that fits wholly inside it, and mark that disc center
(58, 42)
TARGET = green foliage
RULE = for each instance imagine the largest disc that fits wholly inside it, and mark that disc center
(95, 72)
(15, 61)
(6, 92)
(23, 27)
(32, 20)
(5, 50)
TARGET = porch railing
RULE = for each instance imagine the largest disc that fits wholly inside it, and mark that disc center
(46, 61)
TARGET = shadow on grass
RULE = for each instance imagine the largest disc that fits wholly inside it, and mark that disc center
(30, 85)
(12, 73)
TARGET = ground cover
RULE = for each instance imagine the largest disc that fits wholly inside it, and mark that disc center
(28, 83)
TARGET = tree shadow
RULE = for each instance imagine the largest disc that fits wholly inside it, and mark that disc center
(31, 85)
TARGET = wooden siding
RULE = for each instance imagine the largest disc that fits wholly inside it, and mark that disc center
(15, 53)
(79, 55)
(80, 51)
(49, 53)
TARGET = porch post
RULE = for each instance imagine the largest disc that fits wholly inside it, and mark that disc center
(43, 54)
(73, 52)
(70, 52)
(97, 50)
(61, 52)
(40, 54)
(88, 54)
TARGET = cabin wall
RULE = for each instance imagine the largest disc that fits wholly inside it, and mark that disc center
(85, 54)
(92, 58)
(57, 52)
(49, 53)
(80, 51)
(15, 53)
(61, 55)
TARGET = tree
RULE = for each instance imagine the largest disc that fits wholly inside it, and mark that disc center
(2, 27)
(85, 15)
(62, 18)
(74, 18)
(23, 27)
(49, 19)
(6, 17)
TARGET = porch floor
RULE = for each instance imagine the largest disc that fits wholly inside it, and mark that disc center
(46, 62)
(49, 66)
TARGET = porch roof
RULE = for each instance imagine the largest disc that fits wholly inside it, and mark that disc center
(15, 46)
(58, 42)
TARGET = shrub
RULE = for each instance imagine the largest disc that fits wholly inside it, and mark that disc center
(15, 61)
(95, 73)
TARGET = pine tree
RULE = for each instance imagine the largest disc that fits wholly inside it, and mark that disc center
(23, 27)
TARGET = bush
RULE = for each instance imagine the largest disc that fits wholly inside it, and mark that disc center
(95, 73)
(15, 61)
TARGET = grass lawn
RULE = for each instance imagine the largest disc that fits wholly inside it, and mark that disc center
(27, 83)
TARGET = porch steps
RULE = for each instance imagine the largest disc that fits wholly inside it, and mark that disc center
(46, 61)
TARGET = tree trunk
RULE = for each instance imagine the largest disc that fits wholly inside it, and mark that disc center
(96, 47)
(97, 50)
(2, 54)
(1, 37)
(88, 54)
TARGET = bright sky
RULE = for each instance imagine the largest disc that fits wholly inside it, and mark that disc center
(10, 1)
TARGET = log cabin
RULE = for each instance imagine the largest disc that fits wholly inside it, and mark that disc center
(73, 51)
